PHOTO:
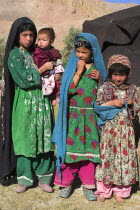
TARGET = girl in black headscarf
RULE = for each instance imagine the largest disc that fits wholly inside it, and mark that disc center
(29, 112)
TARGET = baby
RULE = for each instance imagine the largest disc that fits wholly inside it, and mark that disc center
(45, 52)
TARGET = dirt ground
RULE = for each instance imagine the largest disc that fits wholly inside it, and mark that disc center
(35, 199)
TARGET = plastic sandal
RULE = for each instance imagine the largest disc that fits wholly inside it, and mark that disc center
(89, 194)
(45, 187)
(65, 192)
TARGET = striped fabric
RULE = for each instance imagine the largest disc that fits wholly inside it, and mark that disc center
(118, 58)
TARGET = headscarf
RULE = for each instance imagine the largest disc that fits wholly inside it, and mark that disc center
(7, 157)
(106, 113)
(118, 58)
(60, 130)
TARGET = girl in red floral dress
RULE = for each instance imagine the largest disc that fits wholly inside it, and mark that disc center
(116, 100)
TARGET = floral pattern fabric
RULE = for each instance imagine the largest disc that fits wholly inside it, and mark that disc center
(117, 144)
(82, 136)
(32, 116)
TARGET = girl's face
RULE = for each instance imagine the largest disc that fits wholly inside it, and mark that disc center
(44, 41)
(83, 54)
(26, 39)
(118, 79)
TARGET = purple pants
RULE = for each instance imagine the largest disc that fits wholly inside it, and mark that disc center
(107, 190)
(85, 170)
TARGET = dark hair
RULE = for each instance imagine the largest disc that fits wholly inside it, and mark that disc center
(26, 27)
(118, 68)
(83, 43)
(49, 32)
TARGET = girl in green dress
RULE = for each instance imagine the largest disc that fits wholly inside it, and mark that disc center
(76, 133)
(32, 113)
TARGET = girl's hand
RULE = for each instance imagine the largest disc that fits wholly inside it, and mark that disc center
(128, 100)
(80, 66)
(79, 71)
(48, 65)
(95, 74)
(118, 102)
(45, 67)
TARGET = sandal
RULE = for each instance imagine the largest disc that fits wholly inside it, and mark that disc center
(65, 192)
(45, 187)
(89, 194)
(21, 188)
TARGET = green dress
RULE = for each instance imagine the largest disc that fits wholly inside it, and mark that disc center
(83, 136)
(32, 116)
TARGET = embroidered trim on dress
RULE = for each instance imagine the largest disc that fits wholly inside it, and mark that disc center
(24, 177)
(44, 175)
(79, 107)
(82, 155)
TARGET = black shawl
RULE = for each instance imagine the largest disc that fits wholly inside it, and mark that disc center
(7, 156)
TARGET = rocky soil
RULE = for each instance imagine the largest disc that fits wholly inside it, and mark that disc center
(59, 14)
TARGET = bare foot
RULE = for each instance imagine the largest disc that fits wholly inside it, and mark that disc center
(100, 198)
(118, 199)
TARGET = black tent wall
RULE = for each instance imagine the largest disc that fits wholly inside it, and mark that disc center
(117, 33)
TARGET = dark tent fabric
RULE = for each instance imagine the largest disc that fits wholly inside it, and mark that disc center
(117, 33)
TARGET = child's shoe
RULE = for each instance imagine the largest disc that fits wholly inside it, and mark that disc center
(21, 188)
(45, 187)
(89, 194)
(65, 192)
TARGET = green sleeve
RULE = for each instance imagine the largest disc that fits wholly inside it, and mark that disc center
(23, 70)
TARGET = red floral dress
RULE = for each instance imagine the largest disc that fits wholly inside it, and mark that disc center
(117, 144)
(83, 135)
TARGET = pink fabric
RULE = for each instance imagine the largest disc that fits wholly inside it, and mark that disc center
(85, 170)
(107, 190)
(48, 85)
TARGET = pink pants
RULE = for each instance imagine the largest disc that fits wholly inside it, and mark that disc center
(85, 170)
(107, 190)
